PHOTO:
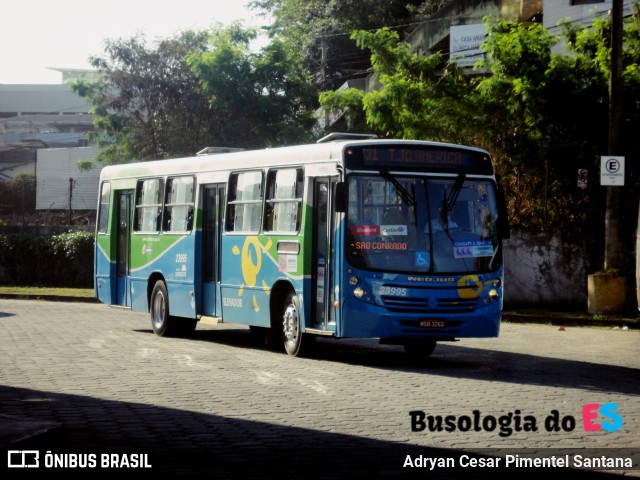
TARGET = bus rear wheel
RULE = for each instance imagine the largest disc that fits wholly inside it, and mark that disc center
(295, 342)
(163, 324)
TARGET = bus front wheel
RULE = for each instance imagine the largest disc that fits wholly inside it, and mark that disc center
(295, 342)
(163, 324)
(422, 349)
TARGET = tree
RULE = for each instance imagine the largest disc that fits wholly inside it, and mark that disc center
(564, 106)
(149, 103)
(542, 115)
(257, 100)
(418, 97)
(548, 119)
(195, 90)
(321, 29)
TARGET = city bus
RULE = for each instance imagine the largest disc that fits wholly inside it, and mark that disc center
(350, 237)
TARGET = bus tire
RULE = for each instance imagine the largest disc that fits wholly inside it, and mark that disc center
(294, 340)
(163, 324)
(422, 349)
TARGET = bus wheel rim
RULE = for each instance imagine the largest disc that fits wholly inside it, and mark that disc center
(291, 324)
(158, 309)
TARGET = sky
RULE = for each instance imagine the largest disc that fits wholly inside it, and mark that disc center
(36, 35)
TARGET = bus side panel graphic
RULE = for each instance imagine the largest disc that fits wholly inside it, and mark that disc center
(252, 266)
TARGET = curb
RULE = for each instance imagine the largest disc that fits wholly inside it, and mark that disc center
(50, 298)
(573, 319)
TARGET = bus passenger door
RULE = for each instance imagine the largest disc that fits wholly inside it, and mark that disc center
(213, 203)
(123, 247)
(323, 254)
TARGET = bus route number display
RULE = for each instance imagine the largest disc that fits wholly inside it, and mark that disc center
(419, 158)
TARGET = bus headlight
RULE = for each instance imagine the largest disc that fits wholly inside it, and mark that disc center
(493, 294)
(358, 292)
(353, 280)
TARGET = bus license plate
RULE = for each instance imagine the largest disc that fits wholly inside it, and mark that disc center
(431, 323)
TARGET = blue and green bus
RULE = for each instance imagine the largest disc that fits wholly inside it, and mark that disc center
(347, 238)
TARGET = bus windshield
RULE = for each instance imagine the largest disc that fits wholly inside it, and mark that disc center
(419, 224)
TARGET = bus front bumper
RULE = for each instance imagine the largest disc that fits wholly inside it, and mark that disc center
(360, 320)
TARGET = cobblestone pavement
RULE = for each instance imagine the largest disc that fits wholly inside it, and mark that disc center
(82, 381)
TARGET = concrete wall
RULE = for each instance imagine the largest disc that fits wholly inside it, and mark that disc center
(543, 269)
(55, 167)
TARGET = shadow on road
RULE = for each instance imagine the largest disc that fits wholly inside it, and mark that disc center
(452, 360)
(194, 445)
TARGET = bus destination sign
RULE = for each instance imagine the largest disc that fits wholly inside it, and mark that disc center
(418, 157)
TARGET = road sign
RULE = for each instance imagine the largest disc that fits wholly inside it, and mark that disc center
(612, 171)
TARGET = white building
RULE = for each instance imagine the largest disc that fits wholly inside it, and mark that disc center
(38, 116)
(40, 128)
(580, 12)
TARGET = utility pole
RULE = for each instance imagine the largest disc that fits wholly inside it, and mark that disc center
(71, 182)
(607, 289)
(323, 73)
(612, 253)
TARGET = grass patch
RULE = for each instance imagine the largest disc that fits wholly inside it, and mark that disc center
(43, 291)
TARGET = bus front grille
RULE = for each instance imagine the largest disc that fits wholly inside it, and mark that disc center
(425, 305)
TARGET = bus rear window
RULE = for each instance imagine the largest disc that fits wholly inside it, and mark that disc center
(103, 210)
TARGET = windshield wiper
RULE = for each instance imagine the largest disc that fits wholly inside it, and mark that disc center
(404, 194)
(450, 201)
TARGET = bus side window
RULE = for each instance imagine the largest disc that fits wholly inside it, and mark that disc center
(179, 203)
(284, 200)
(244, 208)
(148, 205)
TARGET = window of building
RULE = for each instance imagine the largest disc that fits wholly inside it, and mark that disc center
(149, 205)
(244, 206)
(284, 200)
(179, 204)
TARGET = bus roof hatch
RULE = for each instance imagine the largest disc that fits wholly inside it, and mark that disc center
(332, 137)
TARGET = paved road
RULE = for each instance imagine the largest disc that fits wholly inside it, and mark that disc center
(96, 381)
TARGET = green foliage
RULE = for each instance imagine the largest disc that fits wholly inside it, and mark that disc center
(349, 103)
(85, 165)
(195, 90)
(149, 104)
(543, 115)
(64, 260)
(18, 194)
(319, 31)
(417, 96)
(256, 100)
